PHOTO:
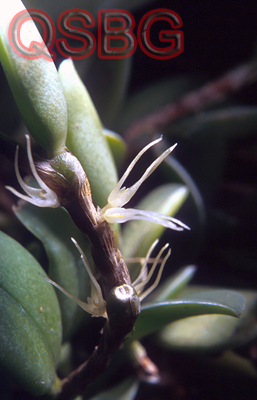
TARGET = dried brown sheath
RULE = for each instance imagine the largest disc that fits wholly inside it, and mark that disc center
(73, 190)
(74, 193)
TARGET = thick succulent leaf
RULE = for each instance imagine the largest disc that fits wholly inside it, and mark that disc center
(107, 80)
(173, 285)
(139, 235)
(30, 319)
(55, 228)
(126, 390)
(155, 316)
(85, 135)
(213, 332)
(35, 85)
(117, 146)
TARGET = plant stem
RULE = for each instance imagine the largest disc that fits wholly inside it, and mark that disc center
(196, 100)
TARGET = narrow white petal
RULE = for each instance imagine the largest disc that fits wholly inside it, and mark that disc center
(125, 196)
(114, 193)
(39, 202)
(144, 265)
(96, 291)
(33, 168)
(121, 195)
(41, 197)
(157, 280)
(91, 309)
(121, 215)
(150, 274)
(28, 189)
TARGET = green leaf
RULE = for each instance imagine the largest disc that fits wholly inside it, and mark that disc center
(155, 316)
(35, 85)
(139, 235)
(30, 320)
(117, 146)
(107, 80)
(126, 390)
(212, 333)
(85, 135)
(173, 285)
(55, 228)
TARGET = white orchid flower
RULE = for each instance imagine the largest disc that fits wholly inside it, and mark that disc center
(96, 305)
(114, 212)
(42, 196)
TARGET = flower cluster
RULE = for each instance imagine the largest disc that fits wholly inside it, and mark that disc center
(96, 305)
(113, 212)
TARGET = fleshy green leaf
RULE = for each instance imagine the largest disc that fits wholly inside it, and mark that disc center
(35, 85)
(30, 320)
(85, 135)
(155, 316)
(117, 146)
(55, 228)
(107, 80)
(173, 285)
(213, 332)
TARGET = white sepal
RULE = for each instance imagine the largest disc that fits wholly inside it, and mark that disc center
(42, 196)
(121, 215)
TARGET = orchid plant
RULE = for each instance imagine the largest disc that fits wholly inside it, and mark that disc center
(74, 204)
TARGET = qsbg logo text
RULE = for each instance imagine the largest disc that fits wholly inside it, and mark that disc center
(158, 34)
